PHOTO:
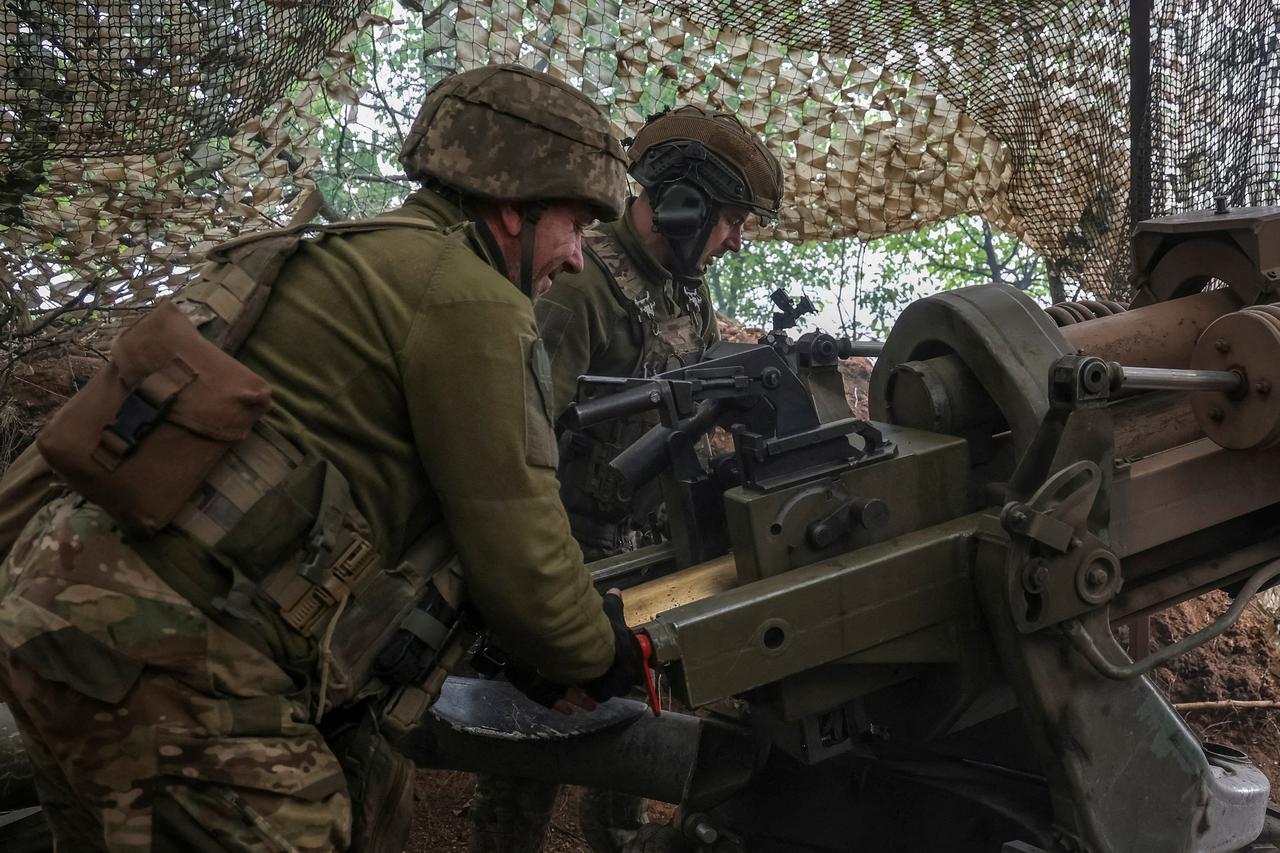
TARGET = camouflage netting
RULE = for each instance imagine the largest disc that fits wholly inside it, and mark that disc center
(134, 134)
(1215, 108)
(888, 115)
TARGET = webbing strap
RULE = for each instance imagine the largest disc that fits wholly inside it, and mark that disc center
(378, 223)
(252, 468)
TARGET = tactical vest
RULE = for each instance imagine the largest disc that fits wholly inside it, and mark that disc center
(169, 433)
(603, 511)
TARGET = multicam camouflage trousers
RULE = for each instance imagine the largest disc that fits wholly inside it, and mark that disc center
(148, 725)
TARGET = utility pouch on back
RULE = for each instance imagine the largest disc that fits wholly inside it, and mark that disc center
(145, 432)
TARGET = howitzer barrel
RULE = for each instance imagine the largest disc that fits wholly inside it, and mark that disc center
(945, 393)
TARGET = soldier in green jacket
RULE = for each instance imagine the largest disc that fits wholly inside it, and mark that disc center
(638, 307)
(193, 688)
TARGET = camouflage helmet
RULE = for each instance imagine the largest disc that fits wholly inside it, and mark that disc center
(508, 132)
(757, 184)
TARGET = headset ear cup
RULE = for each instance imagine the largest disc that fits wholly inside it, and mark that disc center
(681, 211)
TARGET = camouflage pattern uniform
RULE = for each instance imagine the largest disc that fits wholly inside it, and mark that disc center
(623, 315)
(157, 716)
(148, 725)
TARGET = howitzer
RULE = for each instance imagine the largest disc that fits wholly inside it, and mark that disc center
(907, 642)
(901, 631)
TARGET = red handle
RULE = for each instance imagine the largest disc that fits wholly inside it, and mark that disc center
(649, 664)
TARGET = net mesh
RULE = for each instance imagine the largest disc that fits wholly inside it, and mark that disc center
(1214, 120)
(134, 135)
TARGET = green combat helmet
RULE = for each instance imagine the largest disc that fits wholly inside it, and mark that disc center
(692, 162)
(505, 132)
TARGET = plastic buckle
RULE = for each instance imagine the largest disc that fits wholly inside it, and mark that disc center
(316, 558)
(135, 418)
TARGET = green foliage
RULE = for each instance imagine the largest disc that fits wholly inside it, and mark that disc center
(865, 286)
(952, 254)
(741, 283)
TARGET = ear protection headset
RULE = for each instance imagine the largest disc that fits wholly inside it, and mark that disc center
(687, 186)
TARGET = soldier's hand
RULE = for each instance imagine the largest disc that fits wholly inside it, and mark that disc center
(547, 693)
(627, 669)
(532, 684)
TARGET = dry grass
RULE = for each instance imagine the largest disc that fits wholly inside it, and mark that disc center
(14, 433)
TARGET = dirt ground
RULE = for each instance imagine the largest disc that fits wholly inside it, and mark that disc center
(440, 820)
(1242, 664)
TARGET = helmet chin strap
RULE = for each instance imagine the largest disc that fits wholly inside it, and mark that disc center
(532, 215)
(687, 251)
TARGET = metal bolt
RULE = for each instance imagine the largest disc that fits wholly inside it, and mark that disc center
(1262, 386)
(1220, 203)
(1097, 576)
(771, 377)
(1216, 414)
(1037, 575)
(705, 832)
(1018, 517)
(1221, 345)
(872, 514)
(1040, 576)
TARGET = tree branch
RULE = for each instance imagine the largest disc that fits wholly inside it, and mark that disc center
(989, 249)
(377, 89)
(393, 180)
(54, 313)
(1224, 704)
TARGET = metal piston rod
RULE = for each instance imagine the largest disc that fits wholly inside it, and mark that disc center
(1168, 379)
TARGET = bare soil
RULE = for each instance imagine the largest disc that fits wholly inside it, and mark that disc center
(1241, 664)
(440, 820)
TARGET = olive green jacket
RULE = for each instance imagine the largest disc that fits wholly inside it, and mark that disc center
(587, 323)
(405, 359)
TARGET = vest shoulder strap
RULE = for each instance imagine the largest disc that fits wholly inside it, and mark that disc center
(229, 292)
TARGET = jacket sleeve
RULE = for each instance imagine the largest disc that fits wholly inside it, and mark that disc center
(575, 326)
(481, 426)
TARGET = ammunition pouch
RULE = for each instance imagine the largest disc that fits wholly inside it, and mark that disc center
(604, 512)
(166, 384)
(170, 433)
(587, 482)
